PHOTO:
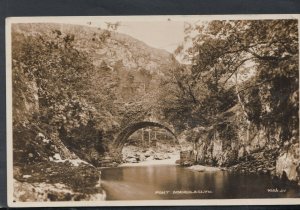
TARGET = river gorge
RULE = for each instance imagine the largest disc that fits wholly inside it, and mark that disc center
(98, 114)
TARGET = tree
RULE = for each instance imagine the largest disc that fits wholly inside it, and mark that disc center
(48, 64)
(232, 61)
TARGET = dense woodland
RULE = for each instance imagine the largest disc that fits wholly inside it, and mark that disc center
(241, 85)
(77, 86)
(250, 63)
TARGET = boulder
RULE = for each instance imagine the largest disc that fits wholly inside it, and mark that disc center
(147, 155)
(107, 158)
(141, 157)
(288, 163)
(159, 157)
(131, 160)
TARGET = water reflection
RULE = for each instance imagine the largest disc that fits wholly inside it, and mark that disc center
(174, 182)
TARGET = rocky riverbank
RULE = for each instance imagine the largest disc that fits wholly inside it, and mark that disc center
(264, 153)
(57, 181)
(46, 170)
(282, 163)
(169, 161)
(135, 154)
(263, 162)
(278, 163)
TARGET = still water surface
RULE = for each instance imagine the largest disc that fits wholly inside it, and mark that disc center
(174, 182)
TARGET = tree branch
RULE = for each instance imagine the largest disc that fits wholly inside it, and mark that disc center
(252, 86)
(236, 68)
(268, 57)
(191, 94)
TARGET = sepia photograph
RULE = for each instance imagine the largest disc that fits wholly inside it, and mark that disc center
(152, 109)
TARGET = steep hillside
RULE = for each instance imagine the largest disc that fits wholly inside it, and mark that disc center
(136, 64)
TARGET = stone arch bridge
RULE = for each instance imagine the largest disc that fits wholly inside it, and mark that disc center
(130, 129)
(121, 137)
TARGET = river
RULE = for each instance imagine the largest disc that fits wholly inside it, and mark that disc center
(156, 182)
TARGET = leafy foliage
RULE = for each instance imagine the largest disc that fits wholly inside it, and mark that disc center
(49, 65)
(249, 63)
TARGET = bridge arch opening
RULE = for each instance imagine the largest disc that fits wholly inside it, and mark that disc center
(129, 130)
(148, 142)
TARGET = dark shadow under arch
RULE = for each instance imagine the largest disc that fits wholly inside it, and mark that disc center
(124, 135)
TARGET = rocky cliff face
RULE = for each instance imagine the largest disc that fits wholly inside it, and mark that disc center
(32, 140)
(25, 94)
(264, 152)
